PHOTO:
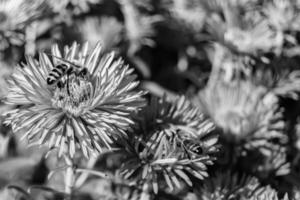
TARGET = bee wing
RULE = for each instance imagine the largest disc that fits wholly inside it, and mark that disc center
(64, 60)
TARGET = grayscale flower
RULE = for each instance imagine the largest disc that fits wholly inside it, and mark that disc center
(14, 16)
(107, 30)
(258, 38)
(139, 28)
(189, 13)
(216, 5)
(282, 82)
(78, 6)
(266, 193)
(86, 108)
(246, 113)
(245, 34)
(274, 164)
(229, 186)
(282, 15)
(174, 140)
(226, 64)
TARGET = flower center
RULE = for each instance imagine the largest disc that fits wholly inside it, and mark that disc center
(72, 94)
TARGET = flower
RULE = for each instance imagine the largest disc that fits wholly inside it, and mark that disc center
(266, 193)
(274, 164)
(107, 30)
(283, 82)
(78, 6)
(173, 140)
(244, 34)
(257, 38)
(139, 28)
(228, 185)
(216, 5)
(227, 64)
(80, 111)
(249, 115)
(282, 15)
(190, 14)
(15, 15)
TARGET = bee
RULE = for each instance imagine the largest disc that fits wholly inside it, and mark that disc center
(61, 70)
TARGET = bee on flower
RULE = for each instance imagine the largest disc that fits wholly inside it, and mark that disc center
(78, 99)
(172, 139)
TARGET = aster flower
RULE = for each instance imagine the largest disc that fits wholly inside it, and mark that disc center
(244, 34)
(225, 186)
(275, 163)
(283, 15)
(266, 193)
(282, 82)
(258, 38)
(174, 141)
(80, 111)
(169, 120)
(248, 115)
(226, 64)
(216, 5)
(138, 27)
(78, 6)
(14, 16)
(107, 30)
(189, 13)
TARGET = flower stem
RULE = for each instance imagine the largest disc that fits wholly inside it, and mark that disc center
(69, 177)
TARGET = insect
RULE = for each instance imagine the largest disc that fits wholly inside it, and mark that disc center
(61, 70)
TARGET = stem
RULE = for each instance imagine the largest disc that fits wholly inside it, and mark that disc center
(82, 178)
(69, 177)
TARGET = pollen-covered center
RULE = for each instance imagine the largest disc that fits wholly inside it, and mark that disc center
(72, 94)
